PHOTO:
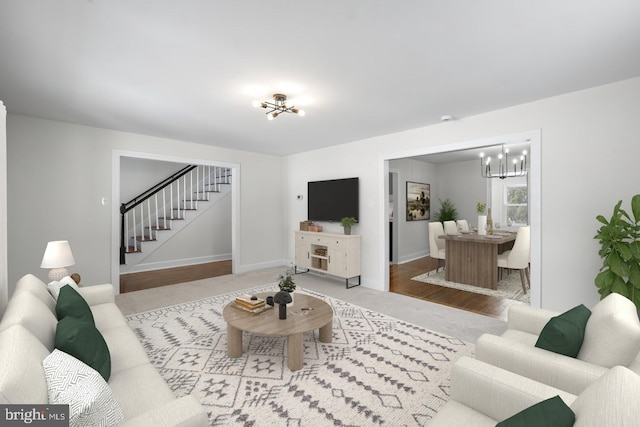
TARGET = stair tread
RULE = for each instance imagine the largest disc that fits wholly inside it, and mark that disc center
(156, 228)
(176, 218)
(144, 238)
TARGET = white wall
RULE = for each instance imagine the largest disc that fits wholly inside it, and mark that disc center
(206, 239)
(461, 183)
(138, 175)
(590, 142)
(4, 287)
(413, 236)
(59, 172)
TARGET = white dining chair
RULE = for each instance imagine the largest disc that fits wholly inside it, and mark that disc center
(436, 245)
(518, 257)
(450, 227)
(463, 225)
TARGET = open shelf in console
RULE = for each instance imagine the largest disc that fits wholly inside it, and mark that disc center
(319, 257)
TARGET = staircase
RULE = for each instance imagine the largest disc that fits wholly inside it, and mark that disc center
(159, 213)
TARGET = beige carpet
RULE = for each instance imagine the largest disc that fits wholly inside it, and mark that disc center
(450, 321)
(509, 287)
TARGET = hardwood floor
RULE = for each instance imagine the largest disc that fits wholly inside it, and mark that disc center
(400, 282)
(170, 276)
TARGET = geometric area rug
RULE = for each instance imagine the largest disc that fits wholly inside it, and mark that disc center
(509, 287)
(377, 371)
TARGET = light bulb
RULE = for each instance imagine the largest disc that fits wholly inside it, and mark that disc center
(488, 160)
(301, 113)
(481, 155)
(500, 156)
(524, 152)
(256, 104)
(271, 116)
(515, 161)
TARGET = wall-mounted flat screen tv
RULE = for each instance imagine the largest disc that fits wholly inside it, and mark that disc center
(333, 199)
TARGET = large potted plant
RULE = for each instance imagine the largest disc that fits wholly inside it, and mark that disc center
(619, 238)
(447, 212)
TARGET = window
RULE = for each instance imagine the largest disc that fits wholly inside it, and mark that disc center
(516, 198)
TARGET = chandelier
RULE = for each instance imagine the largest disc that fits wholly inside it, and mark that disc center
(502, 168)
(277, 107)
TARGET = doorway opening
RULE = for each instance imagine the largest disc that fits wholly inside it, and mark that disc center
(117, 158)
(534, 140)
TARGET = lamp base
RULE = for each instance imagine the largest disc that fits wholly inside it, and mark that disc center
(56, 274)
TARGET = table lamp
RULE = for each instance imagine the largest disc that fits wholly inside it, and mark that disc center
(57, 256)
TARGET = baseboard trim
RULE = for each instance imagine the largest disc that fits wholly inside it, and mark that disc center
(412, 257)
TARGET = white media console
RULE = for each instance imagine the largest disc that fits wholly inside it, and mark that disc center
(335, 254)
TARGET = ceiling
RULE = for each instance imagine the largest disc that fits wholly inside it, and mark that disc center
(190, 69)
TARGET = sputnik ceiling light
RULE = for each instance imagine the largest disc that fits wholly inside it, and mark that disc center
(501, 170)
(277, 107)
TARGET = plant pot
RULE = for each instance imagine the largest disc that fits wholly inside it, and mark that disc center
(482, 224)
(290, 304)
(347, 229)
(292, 299)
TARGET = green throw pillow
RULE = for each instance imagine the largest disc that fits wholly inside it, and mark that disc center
(548, 413)
(70, 303)
(83, 341)
(564, 334)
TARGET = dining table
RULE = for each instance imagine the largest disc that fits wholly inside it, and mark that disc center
(472, 259)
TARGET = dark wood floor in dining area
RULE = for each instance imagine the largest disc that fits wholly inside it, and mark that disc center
(399, 282)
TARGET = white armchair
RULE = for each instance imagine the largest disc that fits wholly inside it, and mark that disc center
(612, 337)
(482, 395)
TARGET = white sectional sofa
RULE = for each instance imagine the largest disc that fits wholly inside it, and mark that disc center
(611, 338)
(483, 395)
(27, 333)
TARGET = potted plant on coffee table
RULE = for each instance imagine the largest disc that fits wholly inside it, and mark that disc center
(286, 283)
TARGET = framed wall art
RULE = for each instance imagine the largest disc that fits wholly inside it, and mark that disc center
(418, 201)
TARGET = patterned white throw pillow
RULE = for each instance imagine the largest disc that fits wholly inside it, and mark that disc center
(71, 382)
(54, 287)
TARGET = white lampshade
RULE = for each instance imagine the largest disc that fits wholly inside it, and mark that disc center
(57, 256)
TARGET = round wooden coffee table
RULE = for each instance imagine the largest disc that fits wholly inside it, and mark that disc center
(307, 313)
